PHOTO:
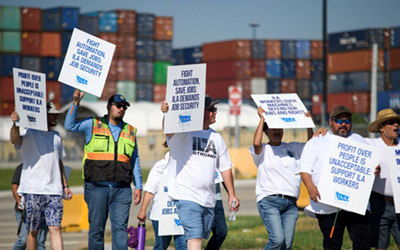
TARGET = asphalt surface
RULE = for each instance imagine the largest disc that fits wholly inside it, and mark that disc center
(245, 191)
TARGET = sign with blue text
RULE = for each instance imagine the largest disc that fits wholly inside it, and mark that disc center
(283, 111)
(30, 99)
(394, 171)
(186, 85)
(87, 62)
(348, 174)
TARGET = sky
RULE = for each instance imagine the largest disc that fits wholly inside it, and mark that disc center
(205, 21)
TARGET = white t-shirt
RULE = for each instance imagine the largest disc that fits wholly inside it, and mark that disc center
(382, 183)
(41, 152)
(195, 156)
(312, 160)
(153, 185)
(276, 169)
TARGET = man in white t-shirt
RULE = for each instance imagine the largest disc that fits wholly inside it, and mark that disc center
(195, 156)
(312, 161)
(43, 180)
(384, 220)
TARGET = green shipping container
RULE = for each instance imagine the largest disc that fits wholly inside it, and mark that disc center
(10, 18)
(160, 72)
(11, 42)
(127, 89)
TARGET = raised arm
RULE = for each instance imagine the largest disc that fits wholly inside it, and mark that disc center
(258, 135)
(164, 109)
(15, 137)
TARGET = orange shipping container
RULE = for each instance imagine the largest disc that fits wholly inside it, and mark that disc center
(159, 92)
(6, 108)
(126, 46)
(316, 104)
(235, 50)
(257, 68)
(30, 44)
(7, 89)
(350, 61)
(112, 72)
(126, 21)
(53, 89)
(394, 59)
(273, 48)
(126, 69)
(358, 103)
(288, 86)
(163, 28)
(303, 69)
(50, 44)
(31, 19)
(316, 49)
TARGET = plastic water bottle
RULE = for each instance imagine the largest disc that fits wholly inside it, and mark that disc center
(141, 235)
(232, 213)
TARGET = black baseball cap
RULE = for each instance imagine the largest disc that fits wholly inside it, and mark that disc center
(209, 102)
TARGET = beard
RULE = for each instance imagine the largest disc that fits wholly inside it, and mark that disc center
(343, 133)
(118, 119)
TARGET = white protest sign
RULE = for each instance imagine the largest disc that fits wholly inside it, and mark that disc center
(30, 99)
(283, 111)
(348, 174)
(168, 222)
(87, 62)
(394, 171)
(185, 96)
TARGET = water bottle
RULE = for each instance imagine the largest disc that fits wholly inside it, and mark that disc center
(141, 235)
(232, 213)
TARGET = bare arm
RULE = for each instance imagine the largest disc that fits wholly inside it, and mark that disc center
(147, 197)
(67, 191)
(258, 135)
(16, 196)
(15, 137)
(229, 186)
(164, 109)
(311, 188)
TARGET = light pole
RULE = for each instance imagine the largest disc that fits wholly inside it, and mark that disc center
(254, 25)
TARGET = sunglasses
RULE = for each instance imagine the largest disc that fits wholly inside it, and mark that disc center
(119, 105)
(392, 122)
(340, 121)
(213, 109)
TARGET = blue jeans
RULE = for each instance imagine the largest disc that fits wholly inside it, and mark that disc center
(20, 244)
(219, 228)
(279, 216)
(162, 242)
(104, 200)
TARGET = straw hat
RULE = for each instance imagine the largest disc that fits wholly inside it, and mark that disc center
(383, 116)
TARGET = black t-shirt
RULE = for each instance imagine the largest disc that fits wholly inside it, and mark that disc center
(17, 175)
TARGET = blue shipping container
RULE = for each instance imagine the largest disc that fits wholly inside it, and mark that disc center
(390, 99)
(316, 87)
(354, 82)
(303, 49)
(288, 68)
(31, 63)
(89, 24)
(395, 79)
(66, 93)
(192, 55)
(144, 72)
(273, 68)
(356, 40)
(8, 62)
(144, 25)
(177, 57)
(144, 49)
(60, 18)
(258, 49)
(288, 49)
(144, 92)
(317, 69)
(273, 86)
(395, 37)
(51, 66)
(65, 39)
(162, 50)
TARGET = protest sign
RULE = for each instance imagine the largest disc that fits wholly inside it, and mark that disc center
(283, 111)
(348, 174)
(185, 96)
(87, 62)
(169, 223)
(394, 171)
(30, 99)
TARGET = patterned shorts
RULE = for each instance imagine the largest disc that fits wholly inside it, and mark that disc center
(43, 207)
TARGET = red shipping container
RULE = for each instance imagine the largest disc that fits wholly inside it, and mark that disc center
(228, 69)
(30, 44)
(6, 108)
(159, 92)
(394, 59)
(219, 89)
(288, 86)
(303, 69)
(386, 39)
(126, 69)
(113, 72)
(163, 28)
(53, 90)
(273, 48)
(50, 44)
(126, 46)
(110, 88)
(111, 38)
(350, 61)
(7, 89)
(358, 103)
(257, 68)
(228, 50)
(316, 104)
(126, 21)
(316, 49)
(31, 19)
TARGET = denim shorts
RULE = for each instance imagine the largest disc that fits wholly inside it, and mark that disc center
(196, 220)
(43, 207)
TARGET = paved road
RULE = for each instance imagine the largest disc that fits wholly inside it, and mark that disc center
(75, 241)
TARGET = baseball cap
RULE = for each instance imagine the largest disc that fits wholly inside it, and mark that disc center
(340, 110)
(209, 102)
(118, 98)
(51, 108)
